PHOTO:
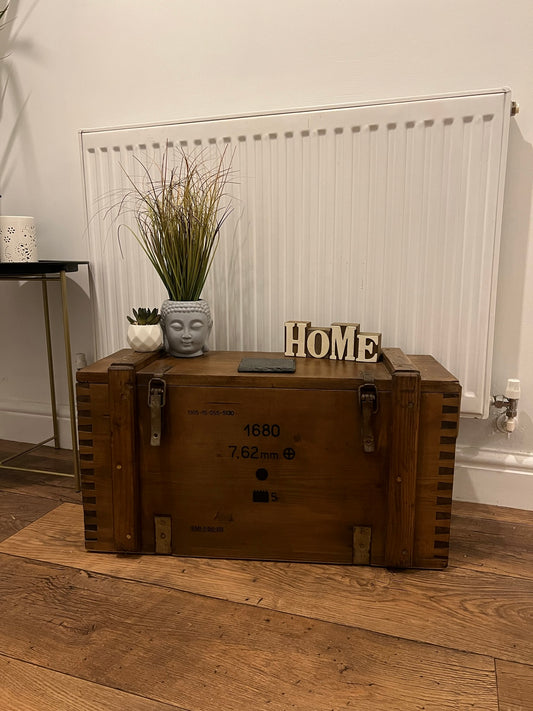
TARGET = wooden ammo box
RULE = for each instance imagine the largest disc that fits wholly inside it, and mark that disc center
(338, 462)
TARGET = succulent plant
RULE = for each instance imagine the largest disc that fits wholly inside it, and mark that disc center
(144, 316)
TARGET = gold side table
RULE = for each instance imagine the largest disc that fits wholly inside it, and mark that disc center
(47, 271)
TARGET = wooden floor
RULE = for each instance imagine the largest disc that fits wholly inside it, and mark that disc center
(103, 632)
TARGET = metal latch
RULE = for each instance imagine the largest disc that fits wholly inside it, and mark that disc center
(157, 395)
(368, 401)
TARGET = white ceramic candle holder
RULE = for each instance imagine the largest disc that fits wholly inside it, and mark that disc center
(17, 239)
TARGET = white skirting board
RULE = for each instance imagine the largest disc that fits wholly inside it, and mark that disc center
(484, 476)
(491, 476)
(32, 422)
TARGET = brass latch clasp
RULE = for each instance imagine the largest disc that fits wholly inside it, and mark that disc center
(368, 402)
(157, 395)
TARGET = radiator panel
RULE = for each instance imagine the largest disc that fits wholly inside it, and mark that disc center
(386, 214)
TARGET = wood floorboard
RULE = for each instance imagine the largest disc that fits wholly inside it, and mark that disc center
(206, 654)
(460, 609)
(515, 686)
(103, 632)
(18, 510)
(26, 687)
(45, 457)
(493, 513)
(492, 545)
(51, 486)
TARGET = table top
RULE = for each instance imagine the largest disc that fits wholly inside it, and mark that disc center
(43, 266)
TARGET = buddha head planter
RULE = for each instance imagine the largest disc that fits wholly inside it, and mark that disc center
(186, 327)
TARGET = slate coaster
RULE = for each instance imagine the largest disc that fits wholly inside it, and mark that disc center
(267, 365)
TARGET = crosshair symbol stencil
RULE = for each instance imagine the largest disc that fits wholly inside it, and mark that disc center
(289, 453)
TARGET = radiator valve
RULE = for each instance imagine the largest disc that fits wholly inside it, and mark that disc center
(507, 421)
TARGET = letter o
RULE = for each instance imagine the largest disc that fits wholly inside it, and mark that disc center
(314, 335)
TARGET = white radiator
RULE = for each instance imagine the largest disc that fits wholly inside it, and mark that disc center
(385, 214)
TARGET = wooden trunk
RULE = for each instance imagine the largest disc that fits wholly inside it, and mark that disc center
(338, 462)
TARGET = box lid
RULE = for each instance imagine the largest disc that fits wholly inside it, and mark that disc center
(220, 368)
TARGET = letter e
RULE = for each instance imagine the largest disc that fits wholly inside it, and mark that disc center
(368, 347)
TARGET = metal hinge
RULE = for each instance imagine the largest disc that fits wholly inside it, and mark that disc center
(368, 402)
(362, 540)
(163, 534)
(157, 395)
(515, 108)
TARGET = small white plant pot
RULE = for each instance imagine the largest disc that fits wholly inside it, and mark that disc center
(145, 338)
(17, 239)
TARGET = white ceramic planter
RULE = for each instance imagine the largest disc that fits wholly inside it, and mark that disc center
(17, 239)
(145, 338)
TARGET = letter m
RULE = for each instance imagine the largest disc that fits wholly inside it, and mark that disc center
(343, 341)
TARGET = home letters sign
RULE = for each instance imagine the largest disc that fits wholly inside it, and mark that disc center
(340, 341)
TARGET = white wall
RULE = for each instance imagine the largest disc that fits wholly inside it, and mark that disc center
(95, 63)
